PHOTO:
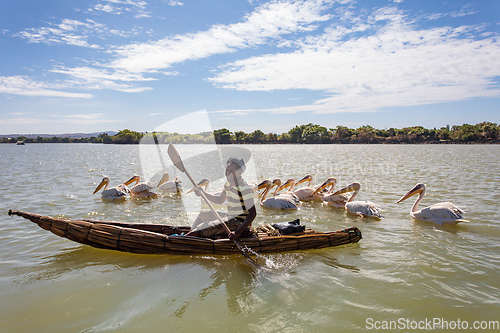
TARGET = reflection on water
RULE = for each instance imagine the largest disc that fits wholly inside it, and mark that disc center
(401, 268)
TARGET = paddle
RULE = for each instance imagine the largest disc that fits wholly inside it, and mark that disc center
(176, 159)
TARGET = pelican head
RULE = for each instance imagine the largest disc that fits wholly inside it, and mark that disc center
(276, 182)
(419, 188)
(264, 184)
(204, 182)
(353, 187)
(134, 178)
(328, 182)
(104, 181)
(163, 179)
(288, 183)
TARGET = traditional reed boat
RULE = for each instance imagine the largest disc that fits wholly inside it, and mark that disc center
(158, 238)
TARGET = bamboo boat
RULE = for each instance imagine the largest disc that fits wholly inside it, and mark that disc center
(158, 238)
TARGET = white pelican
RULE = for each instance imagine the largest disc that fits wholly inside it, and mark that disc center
(312, 193)
(304, 194)
(173, 186)
(283, 201)
(360, 208)
(119, 192)
(335, 200)
(140, 190)
(440, 213)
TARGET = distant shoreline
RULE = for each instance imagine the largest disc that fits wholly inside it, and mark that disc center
(482, 133)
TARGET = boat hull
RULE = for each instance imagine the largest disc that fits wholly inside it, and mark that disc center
(159, 239)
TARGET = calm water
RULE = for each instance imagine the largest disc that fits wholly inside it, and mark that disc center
(400, 269)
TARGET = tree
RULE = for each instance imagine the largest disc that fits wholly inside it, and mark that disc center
(365, 133)
(487, 130)
(256, 136)
(296, 134)
(240, 137)
(342, 133)
(105, 138)
(222, 136)
(443, 133)
(315, 133)
(127, 136)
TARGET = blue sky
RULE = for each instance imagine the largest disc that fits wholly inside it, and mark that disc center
(91, 66)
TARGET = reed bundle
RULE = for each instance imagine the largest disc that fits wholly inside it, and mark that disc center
(156, 238)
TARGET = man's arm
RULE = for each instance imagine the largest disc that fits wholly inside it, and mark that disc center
(252, 213)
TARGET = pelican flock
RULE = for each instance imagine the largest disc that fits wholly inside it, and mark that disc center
(441, 213)
(276, 201)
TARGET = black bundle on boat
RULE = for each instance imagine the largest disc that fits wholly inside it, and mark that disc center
(287, 228)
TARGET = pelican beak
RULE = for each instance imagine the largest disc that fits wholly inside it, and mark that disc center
(103, 182)
(413, 191)
(303, 180)
(262, 185)
(348, 188)
(288, 183)
(163, 179)
(322, 187)
(203, 182)
(135, 178)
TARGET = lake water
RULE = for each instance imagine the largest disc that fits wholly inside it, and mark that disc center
(403, 271)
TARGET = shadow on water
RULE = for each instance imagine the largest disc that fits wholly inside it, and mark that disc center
(229, 272)
(226, 275)
(237, 279)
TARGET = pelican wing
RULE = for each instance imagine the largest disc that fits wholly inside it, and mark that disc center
(141, 187)
(117, 192)
(279, 202)
(442, 213)
(305, 193)
(290, 196)
(364, 208)
(171, 187)
(337, 200)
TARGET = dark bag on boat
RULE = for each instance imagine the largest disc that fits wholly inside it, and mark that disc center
(286, 228)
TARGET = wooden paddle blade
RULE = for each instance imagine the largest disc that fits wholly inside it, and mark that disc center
(175, 157)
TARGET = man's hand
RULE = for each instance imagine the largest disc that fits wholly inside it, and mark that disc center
(197, 191)
(232, 236)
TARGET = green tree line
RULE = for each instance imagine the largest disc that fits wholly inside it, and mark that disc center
(485, 132)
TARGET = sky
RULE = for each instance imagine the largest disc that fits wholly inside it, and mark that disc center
(107, 65)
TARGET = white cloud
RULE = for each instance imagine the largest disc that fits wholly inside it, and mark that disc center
(268, 21)
(22, 121)
(93, 78)
(397, 65)
(71, 32)
(85, 119)
(21, 85)
(118, 7)
(82, 119)
(174, 3)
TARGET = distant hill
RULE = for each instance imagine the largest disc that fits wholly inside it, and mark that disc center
(67, 135)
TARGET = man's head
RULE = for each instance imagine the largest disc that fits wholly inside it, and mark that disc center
(234, 168)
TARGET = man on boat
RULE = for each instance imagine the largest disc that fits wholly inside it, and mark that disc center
(240, 205)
